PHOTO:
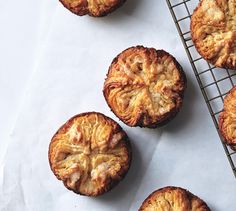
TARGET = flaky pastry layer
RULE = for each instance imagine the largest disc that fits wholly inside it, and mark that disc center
(96, 8)
(174, 199)
(90, 154)
(227, 119)
(144, 87)
(213, 30)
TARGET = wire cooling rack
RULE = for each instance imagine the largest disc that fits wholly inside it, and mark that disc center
(214, 82)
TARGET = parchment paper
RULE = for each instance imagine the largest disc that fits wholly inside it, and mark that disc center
(25, 26)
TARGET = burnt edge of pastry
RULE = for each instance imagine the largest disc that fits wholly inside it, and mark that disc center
(190, 197)
(83, 10)
(166, 118)
(112, 183)
(228, 141)
(225, 65)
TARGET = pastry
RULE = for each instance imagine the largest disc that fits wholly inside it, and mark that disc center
(227, 119)
(95, 8)
(90, 153)
(174, 199)
(144, 87)
(213, 30)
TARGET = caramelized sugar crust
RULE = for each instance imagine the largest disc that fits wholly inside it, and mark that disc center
(174, 199)
(145, 87)
(96, 8)
(213, 29)
(90, 153)
(227, 119)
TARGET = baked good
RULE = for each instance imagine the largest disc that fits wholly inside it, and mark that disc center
(95, 8)
(90, 153)
(227, 119)
(213, 30)
(145, 87)
(175, 199)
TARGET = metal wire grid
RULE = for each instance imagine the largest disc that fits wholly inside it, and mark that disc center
(214, 82)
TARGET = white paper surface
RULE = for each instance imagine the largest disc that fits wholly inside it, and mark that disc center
(24, 29)
(69, 80)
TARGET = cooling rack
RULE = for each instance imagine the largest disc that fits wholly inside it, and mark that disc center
(213, 82)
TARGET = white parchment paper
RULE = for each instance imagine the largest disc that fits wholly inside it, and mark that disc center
(69, 80)
(25, 26)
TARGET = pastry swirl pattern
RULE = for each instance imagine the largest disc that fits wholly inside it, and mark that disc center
(144, 87)
(90, 154)
(96, 8)
(173, 199)
(213, 30)
(227, 119)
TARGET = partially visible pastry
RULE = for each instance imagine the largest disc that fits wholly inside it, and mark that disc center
(145, 87)
(227, 119)
(174, 199)
(213, 30)
(90, 153)
(95, 8)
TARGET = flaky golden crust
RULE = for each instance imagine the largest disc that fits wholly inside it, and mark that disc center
(90, 153)
(227, 119)
(174, 199)
(144, 87)
(213, 30)
(95, 8)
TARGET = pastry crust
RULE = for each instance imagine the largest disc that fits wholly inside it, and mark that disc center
(90, 153)
(95, 8)
(227, 119)
(175, 199)
(213, 30)
(145, 87)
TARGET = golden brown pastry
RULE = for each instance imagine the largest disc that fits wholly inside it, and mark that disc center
(145, 87)
(213, 29)
(90, 153)
(95, 8)
(173, 199)
(227, 119)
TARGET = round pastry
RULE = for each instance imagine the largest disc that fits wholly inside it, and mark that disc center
(213, 30)
(145, 87)
(227, 119)
(90, 153)
(95, 8)
(175, 199)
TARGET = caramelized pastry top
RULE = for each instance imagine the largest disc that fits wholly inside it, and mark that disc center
(90, 154)
(144, 87)
(94, 8)
(227, 119)
(174, 199)
(213, 29)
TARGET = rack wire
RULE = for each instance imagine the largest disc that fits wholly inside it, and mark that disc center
(214, 82)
